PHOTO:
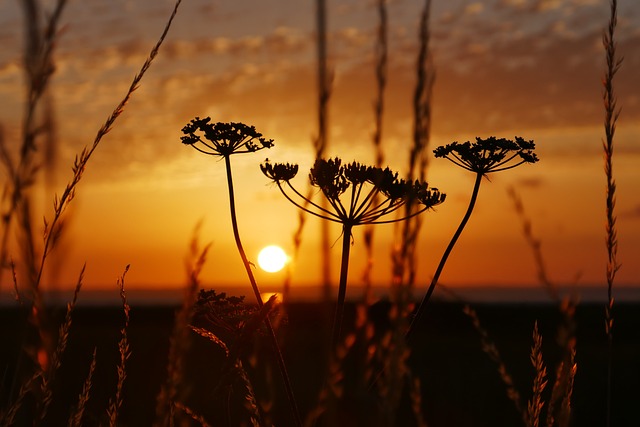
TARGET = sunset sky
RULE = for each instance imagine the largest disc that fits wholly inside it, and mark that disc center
(530, 68)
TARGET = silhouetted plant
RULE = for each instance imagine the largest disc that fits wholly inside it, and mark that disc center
(482, 157)
(371, 195)
(611, 114)
(223, 140)
(232, 326)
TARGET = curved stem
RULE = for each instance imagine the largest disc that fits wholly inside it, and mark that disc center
(330, 215)
(444, 258)
(256, 291)
(342, 287)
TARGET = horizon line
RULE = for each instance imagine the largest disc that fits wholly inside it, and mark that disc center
(496, 293)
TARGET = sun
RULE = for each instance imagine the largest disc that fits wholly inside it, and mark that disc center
(272, 258)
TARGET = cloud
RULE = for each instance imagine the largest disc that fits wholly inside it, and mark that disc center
(516, 4)
(492, 74)
(473, 8)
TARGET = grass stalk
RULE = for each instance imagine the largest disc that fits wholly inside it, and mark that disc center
(415, 395)
(404, 259)
(60, 204)
(75, 419)
(536, 248)
(56, 357)
(179, 342)
(320, 144)
(559, 406)
(612, 112)
(191, 414)
(491, 350)
(381, 51)
(7, 418)
(115, 404)
(536, 404)
(247, 266)
(39, 67)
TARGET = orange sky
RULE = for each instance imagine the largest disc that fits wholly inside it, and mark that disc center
(504, 68)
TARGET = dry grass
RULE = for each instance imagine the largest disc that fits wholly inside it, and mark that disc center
(491, 350)
(559, 406)
(56, 358)
(22, 172)
(39, 67)
(195, 417)
(404, 253)
(179, 342)
(75, 420)
(536, 403)
(113, 411)
(612, 112)
(381, 52)
(325, 81)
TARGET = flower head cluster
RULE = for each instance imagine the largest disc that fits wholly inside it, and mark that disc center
(225, 314)
(372, 192)
(489, 155)
(279, 171)
(223, 139)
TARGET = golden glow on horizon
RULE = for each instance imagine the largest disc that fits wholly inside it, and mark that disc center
(272, 259)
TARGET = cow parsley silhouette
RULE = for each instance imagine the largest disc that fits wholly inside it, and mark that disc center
(356, 195)
(482, 157)
(223, 140)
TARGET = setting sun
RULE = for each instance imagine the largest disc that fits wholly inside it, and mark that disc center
(272, 258)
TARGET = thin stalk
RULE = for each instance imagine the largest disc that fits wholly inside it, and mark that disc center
(342, 287)
(320, 144)
(381, 50)
(611, 117)
(256, 291)
(445, 256)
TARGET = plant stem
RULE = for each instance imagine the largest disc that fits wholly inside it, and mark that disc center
(611, 117)
(342, 287)
(256, 291)
(444, 258)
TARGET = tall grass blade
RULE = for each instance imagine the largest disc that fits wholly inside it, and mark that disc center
(75, 419)
(612, 112)
(491, 350)
(536, 404)
(56, 358)
(179, 342)
(115, 404)
(381, 53)
(321, 142)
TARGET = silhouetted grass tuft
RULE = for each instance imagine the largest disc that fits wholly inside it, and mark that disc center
(113, 411)
(75, 420)
(536, 404)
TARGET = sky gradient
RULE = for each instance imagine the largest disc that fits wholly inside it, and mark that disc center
(503, 68)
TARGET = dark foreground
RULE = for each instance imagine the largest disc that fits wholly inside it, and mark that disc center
(460, 384)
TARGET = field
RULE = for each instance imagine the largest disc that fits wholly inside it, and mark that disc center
(460, 384)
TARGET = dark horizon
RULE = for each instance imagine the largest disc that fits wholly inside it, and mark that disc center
(478, 294)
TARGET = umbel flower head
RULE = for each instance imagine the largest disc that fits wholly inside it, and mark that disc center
(223, 139)
(489, 155)
(351, 191)
(483, 156)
